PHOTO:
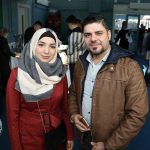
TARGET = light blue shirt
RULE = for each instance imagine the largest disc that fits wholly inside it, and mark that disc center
(89, 84)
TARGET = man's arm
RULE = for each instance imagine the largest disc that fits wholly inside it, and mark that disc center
(71, 41)
(73, 103)
(136, 108)
(118, 37)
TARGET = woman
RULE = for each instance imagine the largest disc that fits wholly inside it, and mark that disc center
(124, 35)
(37, 94)
(5, 55)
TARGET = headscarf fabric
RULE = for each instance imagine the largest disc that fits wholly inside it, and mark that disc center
(36, 79)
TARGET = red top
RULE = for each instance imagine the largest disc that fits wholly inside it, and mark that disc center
(24, 121)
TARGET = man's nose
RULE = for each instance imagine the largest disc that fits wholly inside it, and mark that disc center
(93, 38)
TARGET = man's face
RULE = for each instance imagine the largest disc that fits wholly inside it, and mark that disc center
(70, 26)
(37, 27)
(96, 38)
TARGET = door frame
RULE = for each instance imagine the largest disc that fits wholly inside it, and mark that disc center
(27, 15)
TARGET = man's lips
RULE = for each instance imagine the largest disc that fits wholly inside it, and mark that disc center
(94, 46)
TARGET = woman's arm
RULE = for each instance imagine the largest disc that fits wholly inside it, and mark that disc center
(65, 110)
(13, 111)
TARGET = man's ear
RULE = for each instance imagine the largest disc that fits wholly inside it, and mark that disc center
(109, 34)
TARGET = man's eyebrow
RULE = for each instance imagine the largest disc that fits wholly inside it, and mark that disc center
(99, 31)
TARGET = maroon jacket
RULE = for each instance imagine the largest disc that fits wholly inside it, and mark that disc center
(24, 122)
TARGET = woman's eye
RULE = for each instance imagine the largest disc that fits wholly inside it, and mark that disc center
(52, 46)
(40, 44)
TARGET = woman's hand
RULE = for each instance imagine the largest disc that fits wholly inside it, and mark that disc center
(69, 145)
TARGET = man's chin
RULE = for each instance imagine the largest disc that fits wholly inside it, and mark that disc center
(99, 52)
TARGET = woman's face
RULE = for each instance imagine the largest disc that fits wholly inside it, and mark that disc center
(46, 49)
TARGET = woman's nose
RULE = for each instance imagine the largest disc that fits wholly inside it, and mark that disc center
(46, 50)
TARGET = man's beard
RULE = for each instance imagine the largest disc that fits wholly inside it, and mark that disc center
(97, 53)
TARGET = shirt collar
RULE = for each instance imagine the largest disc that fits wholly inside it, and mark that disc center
(89, 57)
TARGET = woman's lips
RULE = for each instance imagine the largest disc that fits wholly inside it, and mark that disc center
(45, 57)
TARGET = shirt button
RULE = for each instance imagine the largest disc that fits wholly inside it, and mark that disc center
(112, 69)
(89, 112)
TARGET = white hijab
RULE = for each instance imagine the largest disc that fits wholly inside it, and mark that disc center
(32, 81)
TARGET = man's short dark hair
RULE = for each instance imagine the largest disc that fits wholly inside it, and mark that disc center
(71, 19)
(38, 22)
(95, 19)
(3, 30)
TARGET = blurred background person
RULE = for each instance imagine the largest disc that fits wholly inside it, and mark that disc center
(141, 34)
(124, 36)
(30, 31)
(75, 41)
(5, 55)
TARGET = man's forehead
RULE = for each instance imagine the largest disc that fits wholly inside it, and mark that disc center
(94, 27)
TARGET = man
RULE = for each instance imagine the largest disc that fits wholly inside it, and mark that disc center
(5, 57)
(108, 91)
(75, 41)
(30, 31)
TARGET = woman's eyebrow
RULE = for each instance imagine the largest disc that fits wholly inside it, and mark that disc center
(41, 41)
(45, 43)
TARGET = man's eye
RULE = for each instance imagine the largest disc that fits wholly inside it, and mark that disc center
(86, 35)
(99, 33)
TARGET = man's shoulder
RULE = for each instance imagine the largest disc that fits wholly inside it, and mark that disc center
(78, 29)
(75, 33)
(29, 29)
(128, 62)
(134, 62)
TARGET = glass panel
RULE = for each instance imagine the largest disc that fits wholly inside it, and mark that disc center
(145, 20)
(133, 26)
(119, 18)
(132, 22)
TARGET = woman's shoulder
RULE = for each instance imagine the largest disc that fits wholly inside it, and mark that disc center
(12, 78)
(15, 69)
(14, 72)
(64, 79)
